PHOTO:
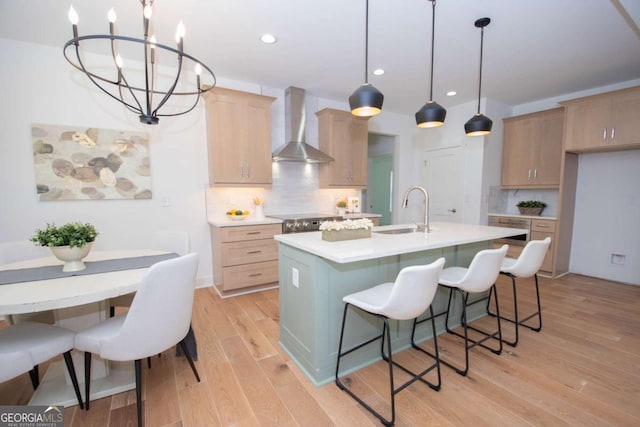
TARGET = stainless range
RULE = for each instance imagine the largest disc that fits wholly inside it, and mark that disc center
(300, 223)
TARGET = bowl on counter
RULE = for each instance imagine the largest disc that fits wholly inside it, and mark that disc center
(237, 217)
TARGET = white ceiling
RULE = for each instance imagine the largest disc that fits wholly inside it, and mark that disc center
(533, 49)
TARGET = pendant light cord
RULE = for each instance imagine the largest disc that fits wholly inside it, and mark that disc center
(366, 44)
(433, 34)
(480, 82)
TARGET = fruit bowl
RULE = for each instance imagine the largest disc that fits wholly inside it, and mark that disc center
(237, 217)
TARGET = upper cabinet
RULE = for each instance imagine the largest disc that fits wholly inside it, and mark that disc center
(605, 122)
(343, 136)
(238, 137)
(532, 150)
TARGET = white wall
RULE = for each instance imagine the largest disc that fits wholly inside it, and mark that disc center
(607, 219)
(41, 87)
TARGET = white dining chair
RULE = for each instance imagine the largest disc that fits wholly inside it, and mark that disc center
(22, 250)
(404, 299)
(478, 278)
(525, 266)
(158, 319)
(25, 345)
(169, 241)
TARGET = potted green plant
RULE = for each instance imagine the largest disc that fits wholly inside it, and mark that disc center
(70, 243)
(531, 207)
(341, 205)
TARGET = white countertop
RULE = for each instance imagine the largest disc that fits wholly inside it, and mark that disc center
(553, 218)
(360, 215)
(443, 234)
(226, 222)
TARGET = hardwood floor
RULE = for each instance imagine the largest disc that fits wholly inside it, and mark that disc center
(582, 369)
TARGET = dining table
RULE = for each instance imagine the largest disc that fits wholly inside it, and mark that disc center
(78, 300)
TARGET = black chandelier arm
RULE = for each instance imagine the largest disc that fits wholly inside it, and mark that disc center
(93, 76)
(173, 86)
(75, 41)
(183, 112)
(122, 78)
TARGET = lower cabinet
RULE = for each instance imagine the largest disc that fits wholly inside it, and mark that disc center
(541, 229)
(245, 258)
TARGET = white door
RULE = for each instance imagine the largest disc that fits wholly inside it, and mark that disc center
(442, 177)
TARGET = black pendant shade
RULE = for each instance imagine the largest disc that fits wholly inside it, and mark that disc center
(479, 124)
(366, 101)
(431, 114)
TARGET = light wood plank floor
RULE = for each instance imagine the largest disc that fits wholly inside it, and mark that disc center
(583, 369)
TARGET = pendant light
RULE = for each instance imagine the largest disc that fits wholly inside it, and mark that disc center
(479, 124)
(366, 101)
(431, 114)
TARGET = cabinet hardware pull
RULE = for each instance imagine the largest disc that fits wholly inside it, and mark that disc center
(529, 175)
(253, 232)
(255, 275)
(535, 173)
(542, 226)
(253, 252)
(452, 210)
(604, 134)
(613, 133)
(248, 171)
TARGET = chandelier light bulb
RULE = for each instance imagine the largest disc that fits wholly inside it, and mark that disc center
(153, 41)
(119, 61)
(111, 16)
(198, 69)
(180, 31)
(148, 12)
(73, 16)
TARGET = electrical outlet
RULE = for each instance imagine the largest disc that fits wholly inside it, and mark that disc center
(295, 277)
(618, 259)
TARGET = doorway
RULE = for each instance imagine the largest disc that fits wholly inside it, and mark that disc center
(378, 197)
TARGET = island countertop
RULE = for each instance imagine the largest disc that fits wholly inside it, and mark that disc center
(443, 234)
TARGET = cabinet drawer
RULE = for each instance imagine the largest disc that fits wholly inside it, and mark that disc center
(235, 253)
(242, 276)
(249, 232)
(546, 226)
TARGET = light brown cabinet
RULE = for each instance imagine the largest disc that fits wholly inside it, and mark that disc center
(541, 229)
(605, 122)
(532, 150)
(244, 257)
(238, 137)
(343, 136)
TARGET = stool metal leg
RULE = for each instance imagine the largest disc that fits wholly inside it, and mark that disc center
(388, 357)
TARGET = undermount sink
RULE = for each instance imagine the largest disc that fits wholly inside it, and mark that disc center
(397, 230)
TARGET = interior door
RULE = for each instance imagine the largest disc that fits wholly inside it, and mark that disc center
(380, 187)
(442, 177)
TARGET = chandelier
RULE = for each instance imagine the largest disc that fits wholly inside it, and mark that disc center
(140, 95)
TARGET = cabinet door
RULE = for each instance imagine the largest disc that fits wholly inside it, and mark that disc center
(341, 167)
(549, 149)
(226, 129)
(624, 129)
(587, 123)
(358, 135)
(257, 145)
(517, 153)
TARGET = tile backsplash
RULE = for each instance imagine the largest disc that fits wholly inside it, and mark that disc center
(503, 201)
(294, 190)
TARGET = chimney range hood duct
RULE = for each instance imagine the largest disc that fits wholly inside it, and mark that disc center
(296, 149)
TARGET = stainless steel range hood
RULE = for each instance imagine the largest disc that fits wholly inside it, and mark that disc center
(296, 149)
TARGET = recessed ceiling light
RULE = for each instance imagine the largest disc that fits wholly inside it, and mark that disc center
(268, 38)
(452, 93)
(378, 72)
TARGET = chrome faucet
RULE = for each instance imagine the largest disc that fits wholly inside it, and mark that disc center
(405, 202)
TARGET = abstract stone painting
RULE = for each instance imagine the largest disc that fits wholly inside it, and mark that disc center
(74, 163)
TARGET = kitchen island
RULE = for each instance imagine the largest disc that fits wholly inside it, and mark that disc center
(315, 275)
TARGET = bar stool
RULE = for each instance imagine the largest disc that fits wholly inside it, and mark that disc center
(525, 266)
(478, 278)
(406, 298)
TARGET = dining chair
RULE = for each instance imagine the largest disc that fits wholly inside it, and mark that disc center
(22, 250)
(25, 345)
(169, 241)
(525, 266)
(478, 278)
(158, 319)
(404, 299)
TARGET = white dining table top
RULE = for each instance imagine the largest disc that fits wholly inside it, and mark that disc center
(39, 295)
